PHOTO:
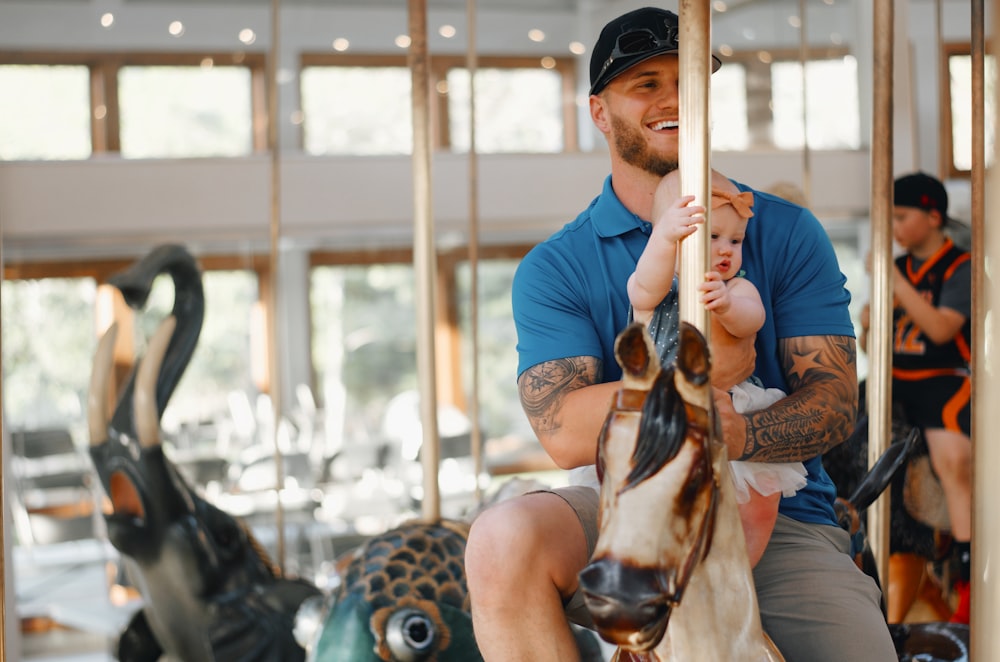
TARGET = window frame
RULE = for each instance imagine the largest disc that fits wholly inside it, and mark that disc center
(438, 71)
(760, 90)
(105, 127)
(448, 347)
(946, 147)
(101, 271)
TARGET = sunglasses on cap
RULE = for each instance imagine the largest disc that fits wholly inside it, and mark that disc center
(638, 42)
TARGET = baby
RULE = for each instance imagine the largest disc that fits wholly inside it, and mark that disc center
(736, 315)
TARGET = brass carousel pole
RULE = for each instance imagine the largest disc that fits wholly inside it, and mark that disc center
(879, 384)
(472, 64)
(695, 62)
(4, 570)
(274, 379)
(424, 263)
(803, 59)
(985, 644)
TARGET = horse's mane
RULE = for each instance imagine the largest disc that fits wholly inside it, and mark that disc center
(661, 431)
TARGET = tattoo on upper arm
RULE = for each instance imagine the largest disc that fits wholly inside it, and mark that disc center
(821, 407)
(543, 387)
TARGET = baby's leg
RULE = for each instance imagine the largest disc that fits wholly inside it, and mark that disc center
(758, 517)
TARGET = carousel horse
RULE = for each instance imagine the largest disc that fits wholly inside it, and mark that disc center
(669, 523)
(670, 526)
(209, 591)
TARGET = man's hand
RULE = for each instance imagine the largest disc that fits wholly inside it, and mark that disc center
(733, 424)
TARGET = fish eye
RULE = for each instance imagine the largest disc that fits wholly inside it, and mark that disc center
(411, 635)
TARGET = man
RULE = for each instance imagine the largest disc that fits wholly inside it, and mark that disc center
(570, 301)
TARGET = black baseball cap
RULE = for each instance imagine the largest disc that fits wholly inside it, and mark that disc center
(633, 38)
(922, 191)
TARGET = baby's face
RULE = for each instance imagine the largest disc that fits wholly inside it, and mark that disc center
(728, 231)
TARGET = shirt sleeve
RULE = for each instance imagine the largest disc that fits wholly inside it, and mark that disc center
(551, 314)
(956, 291)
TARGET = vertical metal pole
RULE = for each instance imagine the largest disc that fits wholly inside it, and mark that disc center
(3, 501)
(879, 340)
(274, 144)
(695, 61)
(472, 64)
(803, 60)
(985, 532)
(424, 263)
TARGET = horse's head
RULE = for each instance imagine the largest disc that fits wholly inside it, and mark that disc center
(658, 489)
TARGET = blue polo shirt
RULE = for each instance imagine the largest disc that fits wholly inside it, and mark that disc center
(569, 298)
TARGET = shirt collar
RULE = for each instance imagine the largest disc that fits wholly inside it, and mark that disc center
(610, 217)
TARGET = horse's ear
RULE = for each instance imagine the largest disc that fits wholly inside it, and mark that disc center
(636, 354)
(693, 355)
(632, 351)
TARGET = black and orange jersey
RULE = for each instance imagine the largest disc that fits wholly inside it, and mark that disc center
(913, 351)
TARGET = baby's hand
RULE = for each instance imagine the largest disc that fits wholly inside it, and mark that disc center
(678, 220)
(715, 294)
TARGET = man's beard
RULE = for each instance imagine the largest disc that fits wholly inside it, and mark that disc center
(632, 149)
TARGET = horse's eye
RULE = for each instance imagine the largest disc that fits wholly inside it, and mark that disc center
(688, 497)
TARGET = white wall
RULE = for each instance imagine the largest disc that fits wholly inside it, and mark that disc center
(107, 206)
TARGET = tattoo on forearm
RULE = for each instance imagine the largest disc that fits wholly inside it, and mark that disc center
(544, 386)
(821, 407)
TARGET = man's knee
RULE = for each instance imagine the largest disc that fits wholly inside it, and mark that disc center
(489, 550)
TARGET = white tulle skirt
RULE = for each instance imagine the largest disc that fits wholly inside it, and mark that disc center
(766, 478)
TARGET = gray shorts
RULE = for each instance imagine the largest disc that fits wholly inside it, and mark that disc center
(586, 502)
(815, 603)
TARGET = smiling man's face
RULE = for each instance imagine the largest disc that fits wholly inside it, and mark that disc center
(642, 106)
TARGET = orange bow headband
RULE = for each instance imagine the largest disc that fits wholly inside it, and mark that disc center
(741, 202)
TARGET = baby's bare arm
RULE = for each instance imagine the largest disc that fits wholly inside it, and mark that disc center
(654, 271)
(735, 304)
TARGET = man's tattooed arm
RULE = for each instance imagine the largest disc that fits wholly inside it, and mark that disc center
(821, 408)
(543, 389)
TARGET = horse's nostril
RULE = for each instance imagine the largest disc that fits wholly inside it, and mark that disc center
(591, 577)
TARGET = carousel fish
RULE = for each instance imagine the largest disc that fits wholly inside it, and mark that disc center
(209, 590)
(402, 597)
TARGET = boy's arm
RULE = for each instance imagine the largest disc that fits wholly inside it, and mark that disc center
(938, 324)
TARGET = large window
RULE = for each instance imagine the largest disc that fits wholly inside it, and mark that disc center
(48, 345)
(363, 346)
(505, 120)
(357, 110)
(362, 104)
(757, 101)
(730, 130)
(365, 351)
(44, 112)
(956, 110)
(50, 327)
(182, 112)
(831, 104)
(57, 106)
(499, 404)
(222, 362)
